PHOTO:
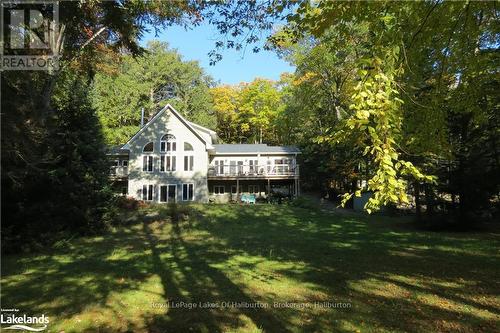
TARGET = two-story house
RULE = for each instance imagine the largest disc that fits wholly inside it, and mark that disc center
(171, 159)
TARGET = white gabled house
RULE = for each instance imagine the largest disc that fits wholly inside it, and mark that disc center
(171, 159)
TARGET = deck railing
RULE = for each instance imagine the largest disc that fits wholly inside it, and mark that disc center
(248, 170)
(118, 171)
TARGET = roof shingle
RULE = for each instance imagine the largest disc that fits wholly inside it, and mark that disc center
(254, 148)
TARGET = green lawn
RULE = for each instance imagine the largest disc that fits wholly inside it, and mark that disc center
(395, 278)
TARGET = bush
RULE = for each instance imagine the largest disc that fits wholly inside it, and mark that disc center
(127, 203)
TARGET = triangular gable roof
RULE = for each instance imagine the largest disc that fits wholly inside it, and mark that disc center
(208, 130)
(157, 115)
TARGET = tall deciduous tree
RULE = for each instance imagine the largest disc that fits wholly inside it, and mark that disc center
(416, 56)
(226, 101)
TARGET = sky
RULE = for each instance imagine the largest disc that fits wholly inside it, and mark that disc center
(234, 67)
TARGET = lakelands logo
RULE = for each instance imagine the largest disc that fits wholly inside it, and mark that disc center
(23, 322)
(30, 35)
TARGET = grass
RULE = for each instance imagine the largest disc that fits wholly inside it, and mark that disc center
(393, 278)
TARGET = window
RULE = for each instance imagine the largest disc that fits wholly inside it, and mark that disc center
(219, 189)
(282, 165)
(147, 160)
(115, 163)
(124, 163)
(167, 143)
(167, 163)
(233, 189)
(253, 166)
(147, 163)
(188, 146)
(253, 189)
(187, 192)
(188, 163)
(219, 167)
(168, 193)
(287, 162)
(148, 148)
(240, 167)
(232, 167)
(147, 192)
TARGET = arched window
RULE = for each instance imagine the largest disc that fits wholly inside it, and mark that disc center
(168, 137)
(167, 143)
(147, 160)
(168, 146)
(188, 146)
(148, 148)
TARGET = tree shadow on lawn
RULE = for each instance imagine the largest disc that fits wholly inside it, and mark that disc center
(384, 274)
(201, 283)
(342, 253)
(65, 283)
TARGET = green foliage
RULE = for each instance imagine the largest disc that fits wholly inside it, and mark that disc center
(259, 106)
(225, 100)
(150, 81)
(249, 112)
(58, 186)
(417, 66)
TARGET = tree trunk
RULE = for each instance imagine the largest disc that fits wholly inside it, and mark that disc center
(429, 200)
(418, 206)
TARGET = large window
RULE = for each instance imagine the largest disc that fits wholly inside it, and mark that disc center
(147, 192)
(147, 163)
(168, 146)
(253, 166)
(188, 163)
(232, 167)
(167, 163)
(219, 189)
(187, 192)
(283, 165)
(168, 193)
(167, 143)
(219, 167)
(147, 160)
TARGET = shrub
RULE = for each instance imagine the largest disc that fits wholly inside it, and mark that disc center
(127, 203)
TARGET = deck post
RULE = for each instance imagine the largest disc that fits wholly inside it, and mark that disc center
(268, 188)
(237, 189)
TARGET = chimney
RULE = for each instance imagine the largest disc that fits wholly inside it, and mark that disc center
(142, 117)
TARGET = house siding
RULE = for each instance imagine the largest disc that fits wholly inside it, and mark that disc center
(168, 123)
(204, 153)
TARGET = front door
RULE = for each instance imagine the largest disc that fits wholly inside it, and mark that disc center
(172, 193)
(163, 193)
(240, 167)
(168, 193)
(232, 167)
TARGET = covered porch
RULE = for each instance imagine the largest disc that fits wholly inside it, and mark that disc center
(231, 190)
